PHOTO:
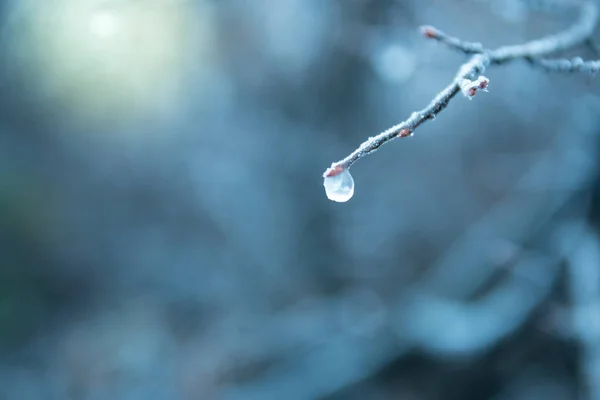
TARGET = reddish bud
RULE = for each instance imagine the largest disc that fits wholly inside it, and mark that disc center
(404, 132)
(429, 31)
(472, 91)
(333, 171)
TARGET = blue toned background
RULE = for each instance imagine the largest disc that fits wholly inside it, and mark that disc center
(164, 232)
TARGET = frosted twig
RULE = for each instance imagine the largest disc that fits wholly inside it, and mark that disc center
(576, 64)
(579, 32)
(455, 43)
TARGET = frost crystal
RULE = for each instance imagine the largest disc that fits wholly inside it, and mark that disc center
(339, 187)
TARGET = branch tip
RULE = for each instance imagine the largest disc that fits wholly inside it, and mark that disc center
(333, 171)
(429, 31)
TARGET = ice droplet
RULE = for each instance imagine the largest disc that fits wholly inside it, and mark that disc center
(339, 187)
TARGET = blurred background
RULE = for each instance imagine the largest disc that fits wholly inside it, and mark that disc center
(165, 233)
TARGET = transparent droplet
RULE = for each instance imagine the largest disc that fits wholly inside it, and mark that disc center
(340, 187)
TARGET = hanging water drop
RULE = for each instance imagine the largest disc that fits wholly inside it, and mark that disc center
(339, 186)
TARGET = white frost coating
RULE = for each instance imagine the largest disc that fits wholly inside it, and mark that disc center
(340, 187)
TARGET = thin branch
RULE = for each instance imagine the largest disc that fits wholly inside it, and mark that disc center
(576, 64)
(454, 43)
(577, 34)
